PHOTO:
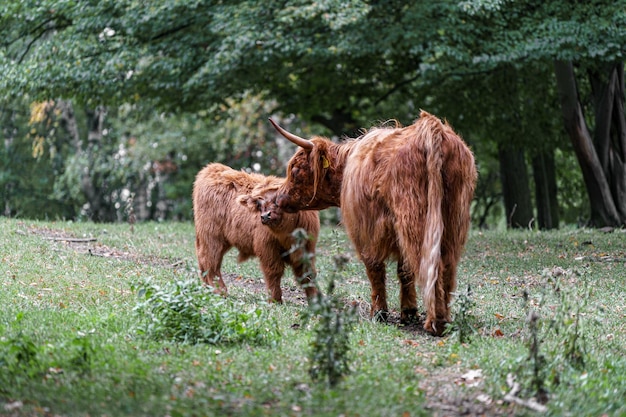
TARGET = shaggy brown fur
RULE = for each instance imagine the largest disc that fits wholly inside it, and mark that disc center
(405, 194)
(228, 213)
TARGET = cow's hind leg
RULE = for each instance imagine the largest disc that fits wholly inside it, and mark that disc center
(436, 320)
(273, 268)
(408, 296)
(448, 285)
(210, 255)
(376, 274)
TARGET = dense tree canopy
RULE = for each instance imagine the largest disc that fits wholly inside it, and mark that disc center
(497, 70)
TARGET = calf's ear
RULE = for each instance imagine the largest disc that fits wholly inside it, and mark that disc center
(253, 203)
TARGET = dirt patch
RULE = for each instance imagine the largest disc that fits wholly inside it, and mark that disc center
(90, 246)
(291, 293)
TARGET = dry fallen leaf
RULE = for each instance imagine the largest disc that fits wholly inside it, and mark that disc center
(13, 406)
(484, 398)
(472, 377)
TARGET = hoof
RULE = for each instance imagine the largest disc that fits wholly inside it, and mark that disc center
(408, 316)
(219, 290)
(436, 328)
(380, 315)
(275, 300)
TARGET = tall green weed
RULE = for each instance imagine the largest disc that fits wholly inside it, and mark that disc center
(188, 312)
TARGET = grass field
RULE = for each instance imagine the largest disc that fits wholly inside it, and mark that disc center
(543, 325)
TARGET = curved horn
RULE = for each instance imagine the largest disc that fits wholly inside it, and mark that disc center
(301, 142)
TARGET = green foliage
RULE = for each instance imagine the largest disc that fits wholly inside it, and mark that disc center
(84, 352)
(153, 155)
(463, 328)
(190, 54)
(484, 65)
(570, 321)
(556, 342)
(329, 353)
(188, 312)
(27, 180)
(20, 357)
(23, 359)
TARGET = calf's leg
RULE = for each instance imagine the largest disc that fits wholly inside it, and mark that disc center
(304, 278)
(210, 254)
(273, 268)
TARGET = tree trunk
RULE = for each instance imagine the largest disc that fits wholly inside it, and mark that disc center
(9, 132)
(610, 130)
(603, 208)
(100, 209)
(544, 174)
(89, 182)
(514, 176)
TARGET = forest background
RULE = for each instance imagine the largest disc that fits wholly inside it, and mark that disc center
(109, 108)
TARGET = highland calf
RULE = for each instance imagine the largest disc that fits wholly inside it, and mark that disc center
(229, 213)
(405, 194)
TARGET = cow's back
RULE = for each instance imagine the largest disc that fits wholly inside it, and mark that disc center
(388, 167)
(370, 188)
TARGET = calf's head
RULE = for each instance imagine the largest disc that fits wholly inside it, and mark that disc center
(313, 176)
(271, 214)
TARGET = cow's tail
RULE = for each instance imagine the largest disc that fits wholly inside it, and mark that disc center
(432, 131)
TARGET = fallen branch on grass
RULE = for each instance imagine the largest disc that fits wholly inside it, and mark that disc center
(511, 397)
(72, 239)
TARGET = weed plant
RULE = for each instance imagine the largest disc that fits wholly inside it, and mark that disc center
(22, 358)
(333, 323)
(188, 312)
(463, 328)
(329, 353)
(556, 341)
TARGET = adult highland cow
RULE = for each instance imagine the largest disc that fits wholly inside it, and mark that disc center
(405, 194)
(228, 213)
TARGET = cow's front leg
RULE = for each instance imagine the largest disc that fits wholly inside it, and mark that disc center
(408, 295)
(376, 274)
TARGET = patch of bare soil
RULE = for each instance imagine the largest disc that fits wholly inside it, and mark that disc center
(292, 294)
(91, 247)
(449, 392)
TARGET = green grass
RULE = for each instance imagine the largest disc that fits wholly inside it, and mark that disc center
(69, 343)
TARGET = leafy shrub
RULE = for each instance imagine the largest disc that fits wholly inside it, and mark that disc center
(329, 354)
(187, 311)
(19, 355)
(19, 358)
(556, 338)
(464, 325)
(330, 348)
(22, 359)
